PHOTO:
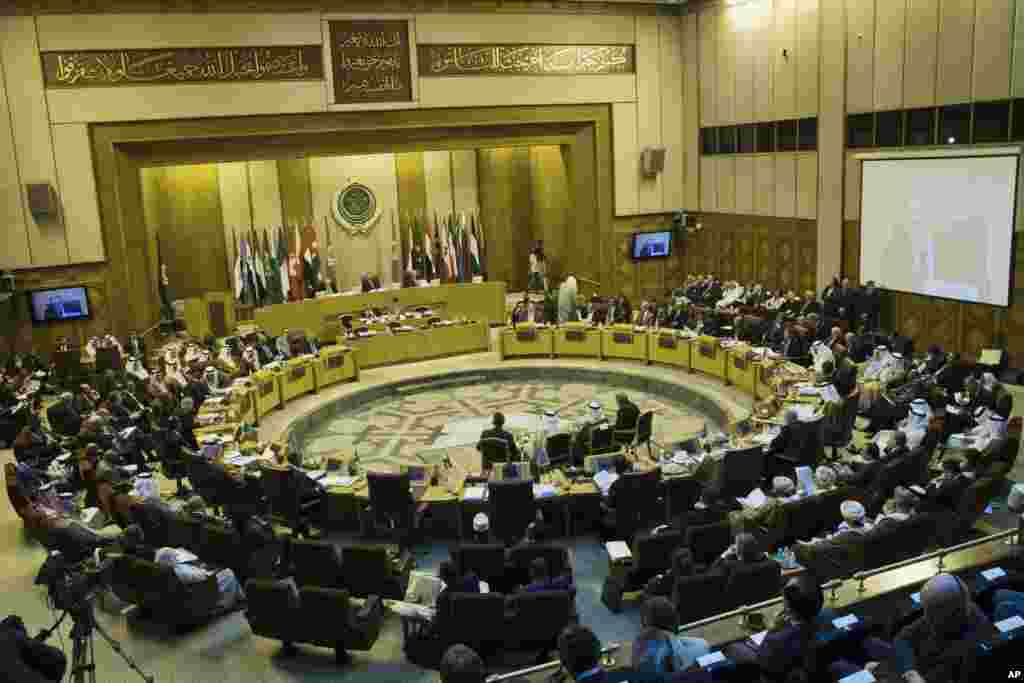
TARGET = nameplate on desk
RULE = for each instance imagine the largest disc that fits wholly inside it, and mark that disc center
(297, 373)
(622, 337)
(529, 334)
(739, 362)
(335, 362)
(266, 388)
(667, 341)
(706, 350)
(575, 335)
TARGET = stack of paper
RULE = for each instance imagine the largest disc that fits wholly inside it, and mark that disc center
(337, 480)
(1011, 624)
(758, 638)
(754, 499)
(474, 493)
(241, 460)
(617, 550)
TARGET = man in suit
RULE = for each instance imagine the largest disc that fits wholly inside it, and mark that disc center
(793, 345)
(498, 432)
(580, 653)
(744, 551)
(628, 414)
(63, 416)
(460, 664)
(864, 475)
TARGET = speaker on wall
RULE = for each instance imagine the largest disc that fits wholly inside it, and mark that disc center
(652, 161)
(42, 200)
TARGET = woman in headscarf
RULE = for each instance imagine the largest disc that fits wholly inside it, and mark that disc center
(567, 301)
(657, 649)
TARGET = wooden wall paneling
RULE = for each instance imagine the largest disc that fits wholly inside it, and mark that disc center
(1013, 327)
(764, 59)
(670, 36)
(626, 271)
(744, 28)
(77, 182)
(726, 73)
(785, 185)
(296, 193)
(726, 167)
(745, 270)
(942, 325)
(707, 26)
(745, 184)
(504, 176)
(993, 38)
(787, 264)
(709, 184)
(13, 231)
(235, 206)
(784, 84)
(807, 261)
(978, 329)
(807, 185)
(851, 250)
(648, 109)
(33, 142)
(956, 51)
(1017, 66)
(913, 316)
(890, 38)
(807, 58)
(549, 207)
(860, 55)
(691, 113)
(831, 139)
(625, 150)
(921, 54)
(851, 203)
(765, 263)
(764, 179)
(726, 255)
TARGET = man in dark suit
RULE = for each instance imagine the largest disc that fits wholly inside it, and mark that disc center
(498, 432)
(793, 344)
(628, 414)
(63, 416)
(864, 475)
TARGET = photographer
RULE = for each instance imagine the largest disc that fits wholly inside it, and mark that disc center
(25, 659)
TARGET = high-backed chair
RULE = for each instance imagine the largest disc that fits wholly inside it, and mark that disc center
(476, 620)
(640, 435)
(638, 503)
(559, 448)
(512, 508)
(742, 471)
(316, 563)
(485, 560)
(538, 619)
(293, 497)
(752, 583)
(493, 450)
(373, 570)
(158, 592)
(681, 494)
(708, 541)
(652, 554)
(699, 596)
(392, 510)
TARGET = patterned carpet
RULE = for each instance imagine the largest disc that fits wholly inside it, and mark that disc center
(413, 427)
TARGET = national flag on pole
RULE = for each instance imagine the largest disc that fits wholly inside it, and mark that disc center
(282, 262)
(474, 250)
(412, 243)
(428, 252)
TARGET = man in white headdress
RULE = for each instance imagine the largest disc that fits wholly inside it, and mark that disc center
(915, 424)
(549, 426)
(732, 296)
(820, 354)
(991, 442)
(211, 375)
(567, 301)
(252, 358)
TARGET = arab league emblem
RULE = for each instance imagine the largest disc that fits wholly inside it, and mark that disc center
(355, 209)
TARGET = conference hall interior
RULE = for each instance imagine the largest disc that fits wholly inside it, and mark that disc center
(511, 341)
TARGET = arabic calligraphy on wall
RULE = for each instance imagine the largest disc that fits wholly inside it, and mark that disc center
(371, 61)
(182, 65)
(532, 60)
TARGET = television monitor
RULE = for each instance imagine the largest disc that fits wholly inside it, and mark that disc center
(59, 304)
(648, 245)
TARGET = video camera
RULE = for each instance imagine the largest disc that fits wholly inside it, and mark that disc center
(72, 585)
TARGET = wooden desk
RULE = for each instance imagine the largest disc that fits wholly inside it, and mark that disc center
(575, 339)
(297, 379)
(708, 357)
(268, 390)
(665, 347)
(526, 340)
(334, 364)
(483, 301)
(417, 345)
(622, 341)
(740, 369)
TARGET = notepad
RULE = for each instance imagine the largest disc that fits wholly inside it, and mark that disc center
(1011, 624)
(994, 573)
(617, 550)
(845, 622)
(758, 638)
(474, 493)
(862, 676)
(711, 658)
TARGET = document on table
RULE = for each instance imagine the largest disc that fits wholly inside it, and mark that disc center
(1011, 624)
(993, 573)
(754, 499)
(474, 493)
(337, 480)
(241, 460)
(758, 638)
(618, 550)
(862, 676)
(544, 490)
(806, 479)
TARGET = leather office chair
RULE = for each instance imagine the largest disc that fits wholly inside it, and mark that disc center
(559, 448)
(374, 570)
(316, 563)
(512, 508)
(639, 436)
(681, 494)
(699, 596)
(538, 619)
(294, 497)
(708, 541)
(485, 560)
(601, 441)
(752, 583)
(161, 595)
(476, 620)
(638, 503)
(522, 556)
(652, 554)
(392, 510)
(493, 450)
(742, 471)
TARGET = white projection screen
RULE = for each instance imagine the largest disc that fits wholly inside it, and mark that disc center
(939, 226)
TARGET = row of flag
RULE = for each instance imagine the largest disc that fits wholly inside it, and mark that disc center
(276, 265)
(448, 248)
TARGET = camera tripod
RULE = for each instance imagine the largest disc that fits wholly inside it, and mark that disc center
(83, 653)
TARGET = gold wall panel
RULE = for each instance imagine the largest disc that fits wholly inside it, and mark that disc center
(625, 150)
(649, 91)
(549, 205)
(785, 185)
(484, 91)
(13, 232)
(707, 36)
(505, 205)
(807, 58)
(745, 182)
(890, 38)
(691, 113)
(785, 55)
(921, 53)
(726, 68)
(486, 28)
(993, 34)
(956, 48)
(831, 140)
(744, 62)
(296, 192)
(807, 185)
(764, 189)
(673, 178)
(73, 156)
(860, 55)
(763, 21)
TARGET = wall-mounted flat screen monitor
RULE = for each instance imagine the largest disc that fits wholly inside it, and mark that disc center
(652, 245)
(59, 305)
